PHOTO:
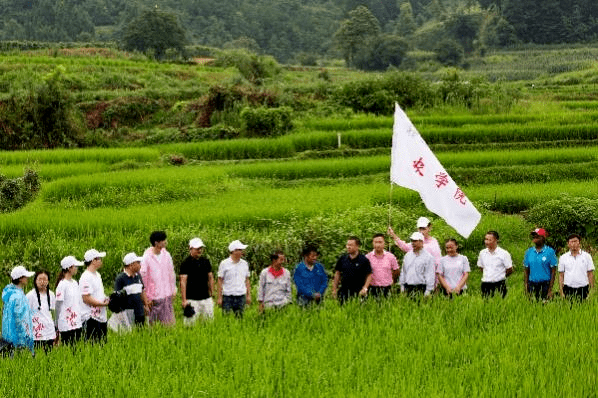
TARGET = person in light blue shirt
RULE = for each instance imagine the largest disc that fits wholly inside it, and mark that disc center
(17, 327)
(540, 264)
(310, 278)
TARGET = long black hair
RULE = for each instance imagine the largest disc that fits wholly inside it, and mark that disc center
(39, 301)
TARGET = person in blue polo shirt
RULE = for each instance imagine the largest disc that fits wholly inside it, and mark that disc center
(540, 264)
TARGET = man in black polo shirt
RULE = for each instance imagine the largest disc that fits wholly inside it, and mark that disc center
(197, 283)
(353, 271)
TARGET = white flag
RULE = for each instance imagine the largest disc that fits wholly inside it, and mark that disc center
(414, 166)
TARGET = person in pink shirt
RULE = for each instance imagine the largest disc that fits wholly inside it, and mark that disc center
(430, 244)
(385, 268)
(157, 273)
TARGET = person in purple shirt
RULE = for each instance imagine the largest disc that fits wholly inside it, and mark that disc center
(310, 278)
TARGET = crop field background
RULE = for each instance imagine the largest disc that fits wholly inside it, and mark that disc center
(278, 193)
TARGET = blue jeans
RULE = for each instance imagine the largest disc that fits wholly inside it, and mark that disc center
(235, 304)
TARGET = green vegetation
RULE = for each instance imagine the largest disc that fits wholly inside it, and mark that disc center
(167, 149)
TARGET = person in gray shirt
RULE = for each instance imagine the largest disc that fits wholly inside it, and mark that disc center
(419, 268)
(274, 290)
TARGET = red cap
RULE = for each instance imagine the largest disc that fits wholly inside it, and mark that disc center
(539, 231)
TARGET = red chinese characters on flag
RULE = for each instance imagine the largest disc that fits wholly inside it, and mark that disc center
(419, 165)
(442, 179)
(460, 196)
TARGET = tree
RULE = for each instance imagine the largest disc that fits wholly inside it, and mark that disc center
(355, 31)
(155, 30)
(382, 52)
(449, 52)
(406, 25)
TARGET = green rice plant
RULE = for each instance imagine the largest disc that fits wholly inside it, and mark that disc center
(103, 155)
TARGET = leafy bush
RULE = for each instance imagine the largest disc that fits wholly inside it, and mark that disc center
(449, 52)
(378, 94)
(17, 192)
(44, 117)
(564, 216)
(266, 122)
(255, 68)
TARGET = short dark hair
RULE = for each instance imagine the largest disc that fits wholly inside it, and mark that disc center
(276, 255)
(573, 236)
(157, 236)
(86, 263)
(493, 233)
(356, 239)
(455, 242)
(16, 281)
(379, 236)
(308, 249)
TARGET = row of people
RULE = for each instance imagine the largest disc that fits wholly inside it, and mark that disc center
(150, 286)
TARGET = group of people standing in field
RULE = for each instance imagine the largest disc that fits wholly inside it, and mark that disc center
(146, 288)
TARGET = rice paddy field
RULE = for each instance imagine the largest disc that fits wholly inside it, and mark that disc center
(278, 193)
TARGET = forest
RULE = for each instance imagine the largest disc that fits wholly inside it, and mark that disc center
(304, 31)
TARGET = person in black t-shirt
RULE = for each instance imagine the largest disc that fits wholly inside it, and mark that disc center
(197, 283)
(353, 271)
(130, 281)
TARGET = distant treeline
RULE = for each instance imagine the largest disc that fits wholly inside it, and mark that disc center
(295, 30)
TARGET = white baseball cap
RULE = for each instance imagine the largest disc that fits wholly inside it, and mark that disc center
(69, 261)
(423, 222)
(131, 258)
(92, 254)
(236, 245)
(19, 272)
(196, 243)
(417, 236)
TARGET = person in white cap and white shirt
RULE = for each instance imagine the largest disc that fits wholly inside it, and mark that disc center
(234, 288)
(496, 265)
(576, 270)
(94, 316)
(17, 328)
(136, 304)
(197, 283)
(69, 303)
(430, 244)
(419, 268)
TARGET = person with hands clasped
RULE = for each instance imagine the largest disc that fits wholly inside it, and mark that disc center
(496, 265)
(453, 270)
(576, 270)
(17, 329)
(353, 272)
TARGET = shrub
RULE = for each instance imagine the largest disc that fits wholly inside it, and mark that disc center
(44, 117)
(564, 216)
(17, 192)
(266, 122)
(255, 68)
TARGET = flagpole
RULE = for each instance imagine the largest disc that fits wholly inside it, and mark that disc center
(390, 212)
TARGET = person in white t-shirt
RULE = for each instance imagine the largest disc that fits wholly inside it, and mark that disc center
(42, 302)
(69, 304)
(453, 270)
(95, 317)
(234, 288)
(576, 270)
(496, 265)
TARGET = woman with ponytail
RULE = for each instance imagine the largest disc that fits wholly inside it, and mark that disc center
(42, 302)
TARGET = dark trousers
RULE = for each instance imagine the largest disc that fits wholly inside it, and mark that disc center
(95, 331)
(415, 289)
(490, 288)
(539, 290)
(46, 345)
(578, 293)
(379, 291)
(304, 301)
(71, 337)
(235, 304)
